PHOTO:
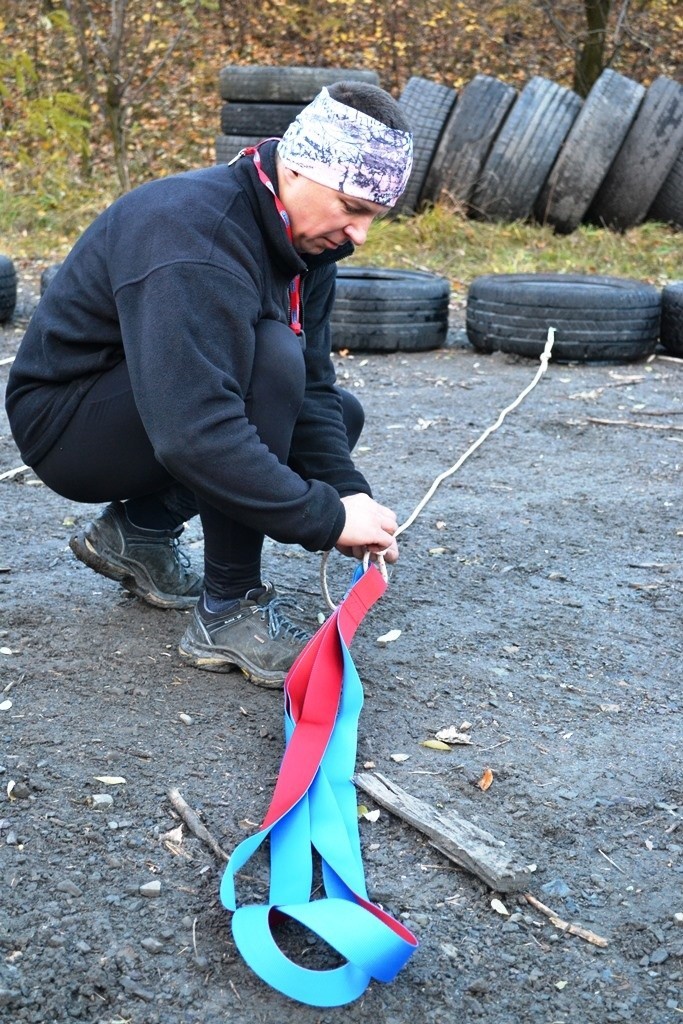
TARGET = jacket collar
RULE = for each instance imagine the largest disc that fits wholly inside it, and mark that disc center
(288, 259)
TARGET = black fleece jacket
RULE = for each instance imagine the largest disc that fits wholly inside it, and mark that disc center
(173, 277)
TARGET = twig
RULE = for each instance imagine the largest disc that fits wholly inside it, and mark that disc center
(9, 473)
(6, 362)
(630, 423)
(610, 861)
(194, 824)
(565, 926)
(661, 412)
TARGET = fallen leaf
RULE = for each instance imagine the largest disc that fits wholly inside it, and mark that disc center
(174, 836)
(387, 638)
(361, 810)
(110, 780)
(486, 779)
(435, 745)
(609, 707)
(451, 735)
(500, 908)
(371, 815)
(399, 758)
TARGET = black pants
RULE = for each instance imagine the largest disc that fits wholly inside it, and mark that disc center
(104, 454)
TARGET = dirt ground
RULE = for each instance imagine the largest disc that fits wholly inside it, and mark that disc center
(539, 598)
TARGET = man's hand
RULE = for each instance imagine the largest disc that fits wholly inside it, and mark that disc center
(369, 527)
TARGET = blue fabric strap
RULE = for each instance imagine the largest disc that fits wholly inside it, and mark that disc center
(323, 819)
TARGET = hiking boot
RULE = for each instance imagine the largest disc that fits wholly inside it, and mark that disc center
(252, 634)
(148, 563)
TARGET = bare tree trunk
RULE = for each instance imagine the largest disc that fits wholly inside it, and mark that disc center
(113, 42)
(591, 58)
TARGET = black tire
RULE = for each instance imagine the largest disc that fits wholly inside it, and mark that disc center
(427, 106)
(382, 310)
(469, 133)
(671, 329)
(589, 150)
(525, 151)
(668, 204)
(265, 118)
(228, 146)
(8, 289)
(595, 318)
(644, 160)
(264, 83)
(47, 276)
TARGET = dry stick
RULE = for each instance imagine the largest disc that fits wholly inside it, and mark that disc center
(630, 423)
(566, 926)
(194, 824)
(8, 474)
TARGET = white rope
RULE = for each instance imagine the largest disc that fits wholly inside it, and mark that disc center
(544, 359)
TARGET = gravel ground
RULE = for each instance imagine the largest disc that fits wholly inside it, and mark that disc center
(539, 599)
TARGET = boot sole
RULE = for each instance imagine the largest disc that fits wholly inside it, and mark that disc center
(210, 661)
(118, 571)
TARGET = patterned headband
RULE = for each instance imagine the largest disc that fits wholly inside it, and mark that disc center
(347, 150)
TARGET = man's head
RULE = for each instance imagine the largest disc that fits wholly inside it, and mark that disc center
(343, 161)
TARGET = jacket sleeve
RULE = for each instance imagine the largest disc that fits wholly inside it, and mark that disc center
(320, 447)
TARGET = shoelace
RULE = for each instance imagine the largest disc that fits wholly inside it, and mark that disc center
(278, 621)
(181, 557)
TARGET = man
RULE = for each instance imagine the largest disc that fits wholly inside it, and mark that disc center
(179, 363)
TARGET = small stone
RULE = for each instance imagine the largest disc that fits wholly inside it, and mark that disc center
(678, 919)
(152, 945)
(151, 889)
(185, 718)
(100, 800)
(478, 987)
(556, 887)
(20, 791)
(11, 838)
(659, 956)
(8, 995)
(69, 888)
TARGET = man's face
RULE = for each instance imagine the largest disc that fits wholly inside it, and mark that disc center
(322, 218)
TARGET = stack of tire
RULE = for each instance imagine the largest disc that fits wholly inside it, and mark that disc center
(8, 288)
(260, 101)
(614, 159)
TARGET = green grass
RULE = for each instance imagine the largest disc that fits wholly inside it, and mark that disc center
(44, 226)
(444, 242)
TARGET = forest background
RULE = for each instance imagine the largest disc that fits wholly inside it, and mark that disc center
(97, 96)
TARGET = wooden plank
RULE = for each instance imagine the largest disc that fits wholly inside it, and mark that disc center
(460, 840)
